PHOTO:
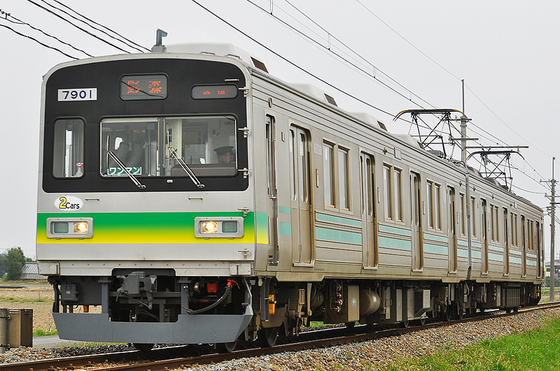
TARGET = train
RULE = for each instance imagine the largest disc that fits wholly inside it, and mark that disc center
(188, 196)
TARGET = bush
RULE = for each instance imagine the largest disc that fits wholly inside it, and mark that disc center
(12, 262)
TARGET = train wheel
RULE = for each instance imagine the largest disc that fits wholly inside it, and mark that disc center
(226, 347)
(423, 320)
(268, 337)
(143, 347)
(406, 324)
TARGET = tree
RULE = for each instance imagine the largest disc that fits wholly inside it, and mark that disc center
(12, 262)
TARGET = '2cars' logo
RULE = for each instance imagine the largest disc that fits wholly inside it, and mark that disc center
(68, 203)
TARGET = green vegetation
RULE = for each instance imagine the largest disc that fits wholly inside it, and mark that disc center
(41, 332)
(534, 350)
(11, 263)
(22, 300)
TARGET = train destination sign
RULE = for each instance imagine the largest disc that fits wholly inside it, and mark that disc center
(214, 91)
(142, 87)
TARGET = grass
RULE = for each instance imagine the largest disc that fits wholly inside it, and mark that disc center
(533, 350)
(4, 299)
(41, 332)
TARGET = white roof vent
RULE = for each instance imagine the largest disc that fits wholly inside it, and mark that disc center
(408, 139)
(220, 49)
(314, 92)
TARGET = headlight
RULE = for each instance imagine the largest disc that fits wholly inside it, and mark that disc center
(208, 226)
(81, 227)
(218, 227)
(70, 228)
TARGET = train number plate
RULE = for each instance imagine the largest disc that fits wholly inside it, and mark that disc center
(77, 94)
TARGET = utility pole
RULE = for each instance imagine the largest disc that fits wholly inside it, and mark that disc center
(552, 210)
(552, 233)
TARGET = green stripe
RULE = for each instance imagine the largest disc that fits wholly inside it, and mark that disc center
(338, 220)
(337, 236)
(514, 260)
(284, 210)
(436, 238)
(435, 249)
(285, 229)
(395, 243)
(386, 228)
(496, 257)
(476, 254)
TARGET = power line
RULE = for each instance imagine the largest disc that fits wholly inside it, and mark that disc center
(354, 65)
(126, 41)
(37, 41)
(19, 21)
(78, 27)
(290, 62)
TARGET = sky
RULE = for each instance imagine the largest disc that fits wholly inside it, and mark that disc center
(393, 55)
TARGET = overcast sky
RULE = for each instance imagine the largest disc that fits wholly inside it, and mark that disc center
(508, 53)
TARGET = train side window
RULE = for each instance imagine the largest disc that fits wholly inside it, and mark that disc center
(397, 194)
(328, 173)
(434, 205)
(387, 191)
(514, 230)
(495, 226)
(473, 217)
(68, 156)
(430, 207)
(437, 209)
(343, 178)
(462, 214)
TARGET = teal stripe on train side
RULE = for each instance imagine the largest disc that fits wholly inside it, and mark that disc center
(338, 220)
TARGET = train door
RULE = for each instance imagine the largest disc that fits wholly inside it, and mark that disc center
(507, 241)
(523, 247)
(452, 228)
(272, 202)
(539, 250)
(485, 237)
(302, 254)
(369, 215)
(416, 222)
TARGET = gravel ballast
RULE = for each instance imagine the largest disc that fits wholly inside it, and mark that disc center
(375, 354)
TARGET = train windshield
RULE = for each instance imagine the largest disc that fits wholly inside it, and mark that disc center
(149, 147)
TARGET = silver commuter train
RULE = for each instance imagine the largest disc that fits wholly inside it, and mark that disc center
(187, 196)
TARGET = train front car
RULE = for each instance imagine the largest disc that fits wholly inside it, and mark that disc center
(146, 225)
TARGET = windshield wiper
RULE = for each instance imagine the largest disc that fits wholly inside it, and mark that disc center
(123, 166)
(186, 168)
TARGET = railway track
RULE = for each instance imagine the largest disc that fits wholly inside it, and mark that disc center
(183, 356)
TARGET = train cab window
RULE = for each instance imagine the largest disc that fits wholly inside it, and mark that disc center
(68, 156)
(155, 146)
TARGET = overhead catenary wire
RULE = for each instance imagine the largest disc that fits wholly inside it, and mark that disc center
(19, 21)
(78, 27)
(120, 38)
(291, 62)
(39, 42)
(342, 58)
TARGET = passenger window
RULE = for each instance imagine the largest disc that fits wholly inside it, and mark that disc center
(343, 178)
(328, 173)
(387, 188)
(68, 156)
